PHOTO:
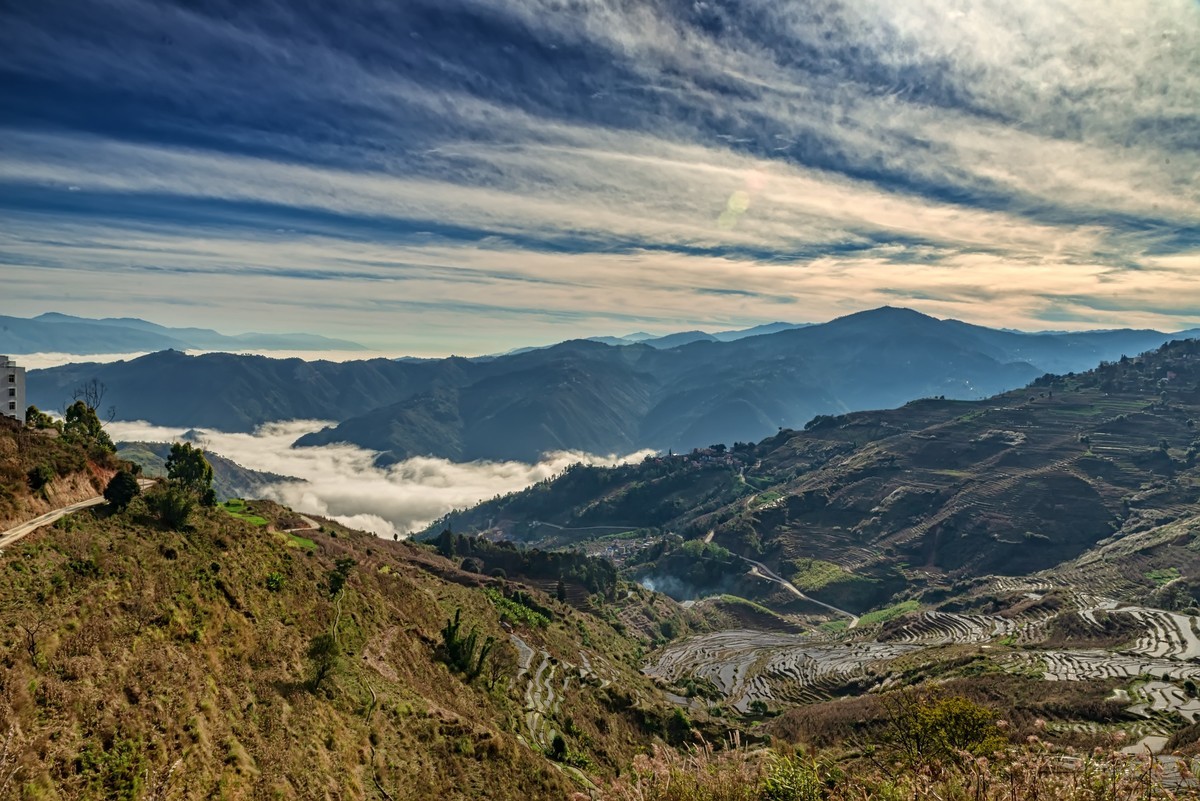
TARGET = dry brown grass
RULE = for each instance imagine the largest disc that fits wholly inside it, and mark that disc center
(1033, 772)
(163, 667)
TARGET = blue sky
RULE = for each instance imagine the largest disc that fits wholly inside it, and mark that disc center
(466, 176)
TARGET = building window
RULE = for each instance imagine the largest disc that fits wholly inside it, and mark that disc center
(12, 406)
(12, 378)
(12, 392)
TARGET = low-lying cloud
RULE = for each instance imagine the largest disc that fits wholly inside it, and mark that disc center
(343, 483)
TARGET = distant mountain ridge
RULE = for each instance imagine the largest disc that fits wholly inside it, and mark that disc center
(63, 333)
(583, 395)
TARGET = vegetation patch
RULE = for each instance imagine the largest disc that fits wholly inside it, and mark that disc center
(1163, 576)
(513, 611)
(238, 508)
(880, 616)
(296, 541)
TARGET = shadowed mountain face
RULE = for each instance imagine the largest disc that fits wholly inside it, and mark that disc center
(924, 495)
(591, 396)
(63, 333)
(238, 393)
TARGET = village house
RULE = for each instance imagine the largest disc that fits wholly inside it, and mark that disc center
(12, 388)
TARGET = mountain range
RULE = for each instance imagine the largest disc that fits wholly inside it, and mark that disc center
(1051, 477)
(590, 396)
(62, 333)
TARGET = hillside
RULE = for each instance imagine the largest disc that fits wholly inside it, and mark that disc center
(63, 333)
(595, 397)
(172, 664)
(41, 470)
(144, 662)
(920, 496)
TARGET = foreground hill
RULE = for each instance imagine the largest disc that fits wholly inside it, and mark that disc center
(141, 662)
(63, 333)
(916, 497)
(590, 396)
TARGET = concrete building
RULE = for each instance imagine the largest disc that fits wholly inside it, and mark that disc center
(12, 389)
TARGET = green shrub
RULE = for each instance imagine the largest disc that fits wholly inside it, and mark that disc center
(40, 476)
(792, 779)
(121, 490)
(173, 505)
(116, 772)
(925, 730)
(275, 581)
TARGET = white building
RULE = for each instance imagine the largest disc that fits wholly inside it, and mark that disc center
(12, 389)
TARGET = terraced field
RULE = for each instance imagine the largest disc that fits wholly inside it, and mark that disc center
(1160, 662)
(548, 680)
(748, 666)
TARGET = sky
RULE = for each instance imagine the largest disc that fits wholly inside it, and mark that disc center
(466, 176)
(342, 481)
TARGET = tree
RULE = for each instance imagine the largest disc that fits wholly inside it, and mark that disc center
(36, 418)
(339, 574)
(83, 426)
(925, 730)
(324, 654)
(558, 748)
(461, 653)
(121, 490)
(188, 468)
(503, 662)
(91, 393)
(560, 591)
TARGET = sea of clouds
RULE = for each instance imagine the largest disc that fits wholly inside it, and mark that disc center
(343, 483)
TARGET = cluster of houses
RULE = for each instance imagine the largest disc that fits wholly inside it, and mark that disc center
(716, 457)
(12, 389)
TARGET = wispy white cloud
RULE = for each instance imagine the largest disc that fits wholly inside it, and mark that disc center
(575, 159)
(342, 481)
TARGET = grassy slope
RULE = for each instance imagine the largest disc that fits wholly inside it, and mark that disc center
(163, 661)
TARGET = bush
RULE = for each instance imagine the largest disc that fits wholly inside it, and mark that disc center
(324, 654)
(40, 476)
(924, 730)
(173, 505)
(275, 582)
(121, 490)
(792, 779)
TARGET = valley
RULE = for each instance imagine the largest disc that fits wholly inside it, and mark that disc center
(1034, 553)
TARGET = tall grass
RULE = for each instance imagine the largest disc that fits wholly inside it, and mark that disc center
(1030, 773)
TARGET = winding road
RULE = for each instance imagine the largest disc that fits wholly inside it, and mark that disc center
(13, 535)
(771, 575)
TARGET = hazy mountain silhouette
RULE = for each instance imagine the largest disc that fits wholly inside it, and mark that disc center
(62, 333)
(584, 395)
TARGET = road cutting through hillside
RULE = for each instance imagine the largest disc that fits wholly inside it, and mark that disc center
(13, 535)
(770, 575)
